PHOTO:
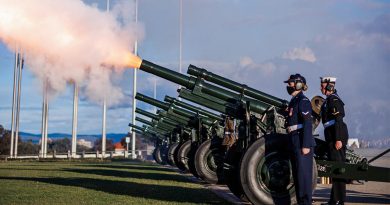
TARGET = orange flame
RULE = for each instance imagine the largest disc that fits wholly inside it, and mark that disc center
(123, 59)
(133, 61)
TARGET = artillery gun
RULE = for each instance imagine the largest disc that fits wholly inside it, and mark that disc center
(201, 125)
(257, 165)
(237, 106)
(170, 129)
(160, 143)
(205, 154)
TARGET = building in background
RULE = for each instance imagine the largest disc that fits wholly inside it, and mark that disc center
(118, 148)
(353, 143)
(85, 143)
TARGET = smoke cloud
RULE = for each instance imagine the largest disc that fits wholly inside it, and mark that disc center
(69, 41)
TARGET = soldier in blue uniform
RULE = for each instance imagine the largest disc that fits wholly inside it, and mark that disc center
(336, 134)
(299, 127)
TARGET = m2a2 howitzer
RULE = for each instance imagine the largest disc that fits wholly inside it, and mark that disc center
(240, 107)
(159, 153)
(257, 166)
(164, 132)
(171, 149)
(189, 151)
(176, 131)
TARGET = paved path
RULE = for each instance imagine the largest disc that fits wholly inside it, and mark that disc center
(367, 194)
(370, 193)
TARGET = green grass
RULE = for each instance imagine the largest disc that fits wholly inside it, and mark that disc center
(98, 183)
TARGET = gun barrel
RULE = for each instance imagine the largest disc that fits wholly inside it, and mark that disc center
(219, 106)
(162, 114)
(156, 130)
(232, 85)
(170, 122)
(147, 114)
(162, 123)
(192, 108)
(174, 119)
(143, 121)
(136, 127)
(147, 130)
(152, 101)
(191, 82)
(139, 132)
(163, 105)
(165, 73)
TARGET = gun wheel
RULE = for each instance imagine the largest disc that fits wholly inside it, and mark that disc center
(171, 153)
(191, 159)
(181, 157)
(158, 156)
(208, 163)
(231, 172)
(265, 171)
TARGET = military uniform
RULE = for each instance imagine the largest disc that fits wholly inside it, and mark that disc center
(299, 122)
(335, 129)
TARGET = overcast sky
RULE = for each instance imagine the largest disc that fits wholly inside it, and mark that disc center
(259, 43)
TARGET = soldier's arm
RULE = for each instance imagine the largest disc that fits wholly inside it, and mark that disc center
(337, 108)
(305, 113)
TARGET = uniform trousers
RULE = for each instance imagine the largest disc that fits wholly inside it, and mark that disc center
(302, 168)
(338, 192)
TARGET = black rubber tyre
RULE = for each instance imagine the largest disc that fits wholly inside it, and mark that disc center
(181, 158)
(157, 155)
(231, 172)
(191, 159)
(171, 154)
(154, 154)
(265, 171)
(209, 162)
(164, 154)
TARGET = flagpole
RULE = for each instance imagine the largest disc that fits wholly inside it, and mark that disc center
(20, 67)
(104, 137)
(133, 156)
(74, 124)
(16, 63)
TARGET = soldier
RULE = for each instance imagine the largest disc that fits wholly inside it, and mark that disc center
(336, 134)
(299, 127)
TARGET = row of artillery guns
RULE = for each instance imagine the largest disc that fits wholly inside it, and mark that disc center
(228, 133)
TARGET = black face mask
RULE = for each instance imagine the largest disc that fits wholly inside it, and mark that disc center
(290, 90)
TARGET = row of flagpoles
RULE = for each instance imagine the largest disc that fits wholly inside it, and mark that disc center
(18, 67)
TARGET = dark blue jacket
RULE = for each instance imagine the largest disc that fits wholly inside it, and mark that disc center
(300, 113)
(332, 112)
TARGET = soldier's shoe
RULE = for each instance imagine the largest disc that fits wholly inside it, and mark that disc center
(333, 203)
(357, 182)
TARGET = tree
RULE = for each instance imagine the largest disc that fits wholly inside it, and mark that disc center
(24, 148)
(5, 142)
(98, 145)
(140, 141)
(60, 145)
(28, 148)
(1, 130)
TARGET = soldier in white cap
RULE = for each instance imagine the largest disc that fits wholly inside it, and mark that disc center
(336, 134)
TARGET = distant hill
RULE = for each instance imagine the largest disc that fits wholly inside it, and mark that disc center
(116, 137)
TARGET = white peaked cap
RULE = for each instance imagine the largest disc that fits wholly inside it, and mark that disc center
(328, 79)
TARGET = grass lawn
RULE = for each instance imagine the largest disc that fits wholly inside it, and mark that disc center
(98, 183)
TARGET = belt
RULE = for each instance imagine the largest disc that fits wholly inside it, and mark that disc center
(228, 133)
(329, 123)
(294, 127)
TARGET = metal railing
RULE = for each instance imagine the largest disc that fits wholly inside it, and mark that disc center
(141, 154)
